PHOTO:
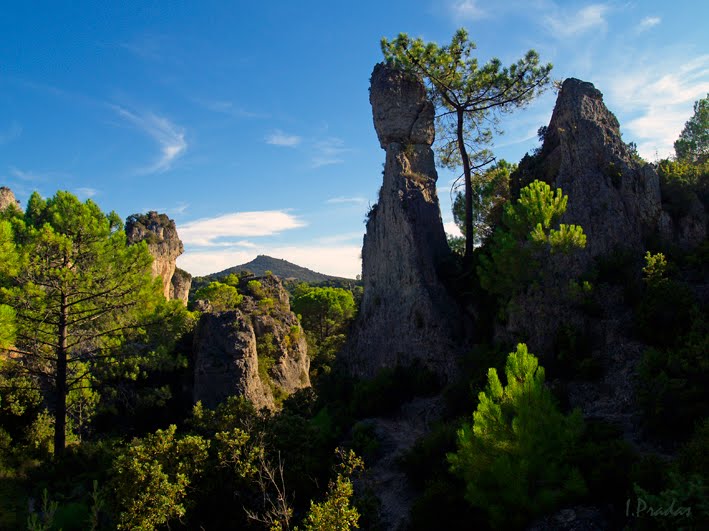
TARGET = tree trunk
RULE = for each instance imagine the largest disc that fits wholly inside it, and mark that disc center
(60, 381)
(469, 236)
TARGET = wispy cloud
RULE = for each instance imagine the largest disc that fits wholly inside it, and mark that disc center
(328, 151)
(279, 138)
(11, 133)
(224, 230)
(229, 108)
(340, 200)
(169, 136)
(648, 22)
(565, 24)
(340, 238)
(463, 10)
(85, 192)
(25, 175)
(148, 46)
(660, 105)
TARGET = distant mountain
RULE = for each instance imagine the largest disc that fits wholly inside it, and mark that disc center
(281, 268)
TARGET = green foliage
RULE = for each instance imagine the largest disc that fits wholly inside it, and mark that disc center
(255, 288)
(491, 190)
(44, 519)
(693, 142)
(666, 308)
(222, 296)
(469, 97)
(514, 458)
(680, 181)
(526, 236)
(325, 314)
(336, 513)
(152, 478)
(81, 292)
(672, 392)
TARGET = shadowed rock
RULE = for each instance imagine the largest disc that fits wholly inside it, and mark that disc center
(406, 314)
(612, 195)
(229, 347)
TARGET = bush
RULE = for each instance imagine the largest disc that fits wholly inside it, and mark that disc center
(515, 456)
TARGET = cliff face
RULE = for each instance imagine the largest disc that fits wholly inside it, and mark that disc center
(7, 198)
(613, 196)
(164, 244)
(258, 351)
(406, 314)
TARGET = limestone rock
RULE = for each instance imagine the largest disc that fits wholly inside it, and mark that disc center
(614, 197)
(228, 345)
(226, 361)
(7, 199)
(180, 285)
(406, 314)
(163, 242)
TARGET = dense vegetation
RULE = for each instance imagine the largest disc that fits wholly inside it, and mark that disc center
(98, 429)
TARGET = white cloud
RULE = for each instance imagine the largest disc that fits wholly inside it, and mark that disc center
(467, 10)
(279, 138)
(228, 108)
(215, 232)
(10, 133)
(24, 175)
(659, 105)
(340, 238)
(648, 22)
(570, 24)
(85, 192)
(341, 200)
(341, 261)
(328, 151)
(169, 136)
(452, 229)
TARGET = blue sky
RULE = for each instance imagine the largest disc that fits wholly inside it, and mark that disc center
(249, 122)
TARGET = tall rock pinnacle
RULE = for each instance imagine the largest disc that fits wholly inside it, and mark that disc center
(406, 315)
(612, 195)
(165, 245)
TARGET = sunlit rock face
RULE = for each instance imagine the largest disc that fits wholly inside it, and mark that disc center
(164, 244)
(406, 315)
(7, 199)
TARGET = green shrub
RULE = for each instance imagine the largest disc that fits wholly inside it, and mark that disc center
(515, 458)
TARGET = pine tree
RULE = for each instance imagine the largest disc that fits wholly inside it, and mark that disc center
(469, 98)
(79, 294)
(513, 457)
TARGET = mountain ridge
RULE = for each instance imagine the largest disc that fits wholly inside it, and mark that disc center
(279, 267)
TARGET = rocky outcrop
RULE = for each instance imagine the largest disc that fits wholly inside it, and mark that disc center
(7, 199)
(257, 351)
(614, 196)
(160, 233)
(406, 314)
(226, 361)
(180, 285)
